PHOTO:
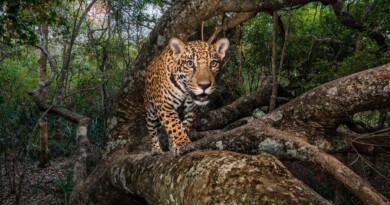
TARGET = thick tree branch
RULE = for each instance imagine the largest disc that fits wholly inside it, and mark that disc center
(365, 90)
(151, 178)
(321, 110)
(207, 177)
(241, 108)
(258, 137)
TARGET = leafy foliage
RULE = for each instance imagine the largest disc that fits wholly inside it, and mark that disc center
(319, 48)
(66, 187)
(18, 19)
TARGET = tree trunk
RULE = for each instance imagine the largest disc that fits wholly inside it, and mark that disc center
(274, 67)
(43, 131)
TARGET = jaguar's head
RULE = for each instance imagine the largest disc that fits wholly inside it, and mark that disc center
(197, 65)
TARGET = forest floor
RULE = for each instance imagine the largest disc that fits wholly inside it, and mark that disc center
(50, 185)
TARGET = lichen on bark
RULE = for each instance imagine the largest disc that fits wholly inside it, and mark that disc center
(211, 177)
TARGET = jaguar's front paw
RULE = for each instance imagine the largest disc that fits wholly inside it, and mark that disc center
(184, 149)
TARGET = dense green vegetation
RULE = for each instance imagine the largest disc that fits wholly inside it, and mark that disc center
(319, 49)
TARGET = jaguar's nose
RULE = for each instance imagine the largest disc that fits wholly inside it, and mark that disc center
(204, 85)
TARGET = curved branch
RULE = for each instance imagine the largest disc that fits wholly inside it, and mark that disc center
(321, 110)
(80, 169)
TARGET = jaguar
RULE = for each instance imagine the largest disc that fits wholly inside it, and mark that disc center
(177, 81)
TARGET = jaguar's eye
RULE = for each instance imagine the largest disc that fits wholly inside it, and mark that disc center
(213, 63)
(190, 64)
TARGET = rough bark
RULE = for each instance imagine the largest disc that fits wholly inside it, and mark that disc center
(207, 177)
(320, 110)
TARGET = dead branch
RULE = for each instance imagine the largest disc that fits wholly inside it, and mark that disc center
(81, 135)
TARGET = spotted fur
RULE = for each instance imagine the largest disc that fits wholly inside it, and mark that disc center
(183, 76)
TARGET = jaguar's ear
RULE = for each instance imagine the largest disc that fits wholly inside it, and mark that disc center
(221, 46)
(177, 47)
